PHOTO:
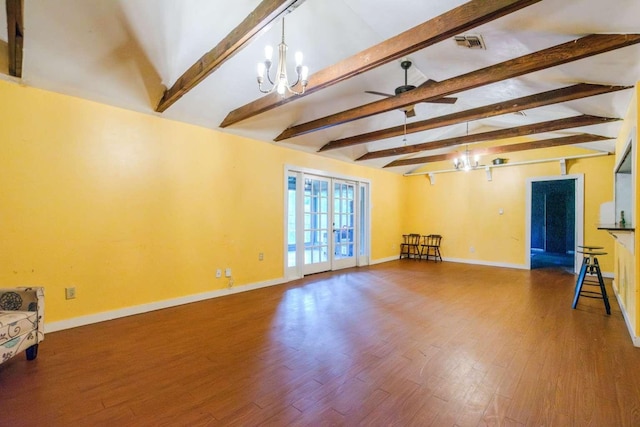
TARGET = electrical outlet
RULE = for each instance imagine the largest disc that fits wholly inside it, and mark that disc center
(227, 272)
(218, 273)
(70, 293)
(260, 256)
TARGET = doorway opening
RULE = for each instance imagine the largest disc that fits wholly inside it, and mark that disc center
(327, 223)
(555, 222)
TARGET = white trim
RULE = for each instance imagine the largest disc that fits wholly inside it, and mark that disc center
(325, 174)
(504, 165)
(153, 306)
(383, 260)
(634, 338)
(478, 262)
(487, 263)
(300, 173)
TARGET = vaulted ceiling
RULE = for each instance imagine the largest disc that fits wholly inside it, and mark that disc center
(556, 71)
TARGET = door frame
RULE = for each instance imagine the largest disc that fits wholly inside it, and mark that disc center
(363, 233)
(579, 214)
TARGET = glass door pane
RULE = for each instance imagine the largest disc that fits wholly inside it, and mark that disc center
(363, 224)
(291, 220)
(327, 223)
(344, 230)
(316, 224)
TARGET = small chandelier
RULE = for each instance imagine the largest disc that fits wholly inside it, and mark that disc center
(281, 82)
(465, 162)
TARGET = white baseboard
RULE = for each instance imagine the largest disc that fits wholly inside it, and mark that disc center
(381, 260)
(634, 338)
(480, 262)
(605, 274)
(461, 261)
(487, 263)
(152, 306)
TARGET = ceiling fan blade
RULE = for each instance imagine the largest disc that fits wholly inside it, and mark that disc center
(449, 100)
(373, 92)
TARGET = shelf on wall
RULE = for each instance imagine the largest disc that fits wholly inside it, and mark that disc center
(623, 234)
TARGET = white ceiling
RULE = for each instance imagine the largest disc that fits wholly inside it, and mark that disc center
(124, 52)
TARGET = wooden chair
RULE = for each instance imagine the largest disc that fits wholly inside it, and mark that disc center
(431, 247)
(410, 246)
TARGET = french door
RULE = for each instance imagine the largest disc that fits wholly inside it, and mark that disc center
(344, 225)
(316, 226)
(327, 223)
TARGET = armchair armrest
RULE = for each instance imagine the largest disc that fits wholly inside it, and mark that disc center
(25, 299)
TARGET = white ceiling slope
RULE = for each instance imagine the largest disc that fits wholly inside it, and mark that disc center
(125, 52)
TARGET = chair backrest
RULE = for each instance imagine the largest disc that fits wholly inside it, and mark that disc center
(414, 239)
(433, 240)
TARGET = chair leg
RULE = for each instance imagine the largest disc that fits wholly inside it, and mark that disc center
(32, 352)
(603, 290)
(580, 281)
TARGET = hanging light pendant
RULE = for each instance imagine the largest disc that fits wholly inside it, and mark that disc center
(464, 162)
(281, 82)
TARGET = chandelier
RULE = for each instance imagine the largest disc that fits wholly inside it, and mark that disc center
(281, 82)
(464, 162)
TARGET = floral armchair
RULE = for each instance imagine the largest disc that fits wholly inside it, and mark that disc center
(21, 321)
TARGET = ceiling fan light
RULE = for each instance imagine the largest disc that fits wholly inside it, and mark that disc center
(299, 58)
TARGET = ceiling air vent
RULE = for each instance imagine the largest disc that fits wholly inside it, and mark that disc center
(470, 41)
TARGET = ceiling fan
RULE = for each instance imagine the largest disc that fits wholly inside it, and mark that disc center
(409, 111)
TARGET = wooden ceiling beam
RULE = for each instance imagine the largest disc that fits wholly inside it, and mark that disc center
(578, 91)
(447, 25)
(549, 126)
(260, 19)
(584, 47)
(15, 33)
(501, 149)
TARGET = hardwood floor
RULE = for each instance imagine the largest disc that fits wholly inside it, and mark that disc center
(406, 343)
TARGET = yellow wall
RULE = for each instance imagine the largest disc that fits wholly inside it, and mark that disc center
(132, 209)
(464, 207)
(627, 266)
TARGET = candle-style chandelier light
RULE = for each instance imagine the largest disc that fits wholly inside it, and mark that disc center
(465, 162)
(281, 82)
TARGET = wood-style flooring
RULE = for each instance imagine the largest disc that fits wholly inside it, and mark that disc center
(405, 343)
